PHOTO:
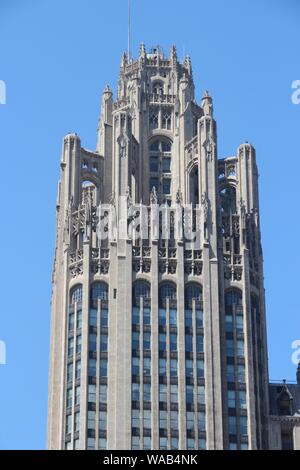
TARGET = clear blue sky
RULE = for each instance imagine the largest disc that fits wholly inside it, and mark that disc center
(56, 58)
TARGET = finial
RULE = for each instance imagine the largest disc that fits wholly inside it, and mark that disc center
(142, 50)
(173, 54)
(107, 89)
(124, 60)
(207, 104)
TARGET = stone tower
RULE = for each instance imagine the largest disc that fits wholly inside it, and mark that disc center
(158, 343)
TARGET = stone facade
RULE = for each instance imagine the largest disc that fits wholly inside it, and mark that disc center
(158, 344)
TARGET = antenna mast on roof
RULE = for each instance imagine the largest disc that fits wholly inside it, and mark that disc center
(129, 30)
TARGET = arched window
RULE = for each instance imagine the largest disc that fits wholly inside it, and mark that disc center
(140, 289)
(99, 290)
(160, 166)
(228, 200)
(233, 301)
(284, 402)
(193, 292)
(158, 88)
(166, 291)
(76, 294)
(194, 185)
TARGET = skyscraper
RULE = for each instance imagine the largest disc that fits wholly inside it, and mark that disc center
(158, 343)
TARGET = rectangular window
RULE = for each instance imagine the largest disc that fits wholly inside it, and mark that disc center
(102, 444)
(162, 317)
(147, 443)
(166, 165)
(174, 420)
(135, 392)
(228, 323)
(202, 444)
(77, 395)
(240, 348)
(166, 186)
(104, 317)
(135, 340)
(69, 397)
(190, 444)
(91, 443)
(92, 342)
(135, 443)
(190, 394)
(147, 341)
(76, 421)
(147, 316)
(173, 317)
(241, 373)
(93, 317)
(199, 318)
(200, 343)
(147, 392)
(200, 368)
(163, 419)
(188, 318)
(92, 394)
(163, 443)
(162, 393)
(77, 369)
(173, 342)
(232, 424)
(147, 366)
(79, 319)
(190, 420)
(103, 343)
(189, 368)
(71, 321)
(201, 394)
(135, 366)
(162, 367)
(239, 323)
(154, 164)
(135, 419)
(103, 368)
(162, 342)
(102, 420)
(103, 393)
(189, 343)
(173, 368)
(230, 373)
(201, 421)
(147, 419)
(91, 419)
(174, 443)
(136, 315)
(174, 393)
(229, 348)
(243, 425)
(70, 347)
(78, 344)
(68, 424)
(92, 367)
(231, 399)
(242, 400)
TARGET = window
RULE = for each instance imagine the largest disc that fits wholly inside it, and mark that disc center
(242, 400)
(200, 368)
(163, 443)
(104, 317)
(230, 373)
(91, 443)
(193, 292)
(69, 397)
(102, 420)
(229, 348)
(158, 88)
(241, 373)
(102, 444)
(162, 317)
(77, 369)
(188, 318)
(173, 317)
(78, 344)
(103, 368)
(99, 290)
(71, 321)
(76, 421)
(76, 294)
(70, 347)
(162, 392)
(174, 420)
(68, 424)
(135, 392)
(200, 343)
(92, 394)
(166, 119)
(135, 443)
(147, 366)
(189, 343)
(173, 342)
(92, 342)
(162, 342)
(147, 341)
(173, 368)
(147, 392)
(140, 289)
(189, 368)
(174, 393)
(92, 367)
(154, 118)
(93, 317)
(147, 443)
(201, 394)
(166, 186)
(77, 395)
(154, 164)
(135, 366)
(231, 399)
(135, 340)
(163, 419)
(243, 425)
(70, 372)
(79, 319)
(240, 348)
(135, 418)
(190, 394)
(103, 393)
(154, 183)
(103, 343)
(147, 419)
(232, 424)
(201, 421)
(147, 316)
(166, 165)
(190, 420)
(162, 367)
(91, 419)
